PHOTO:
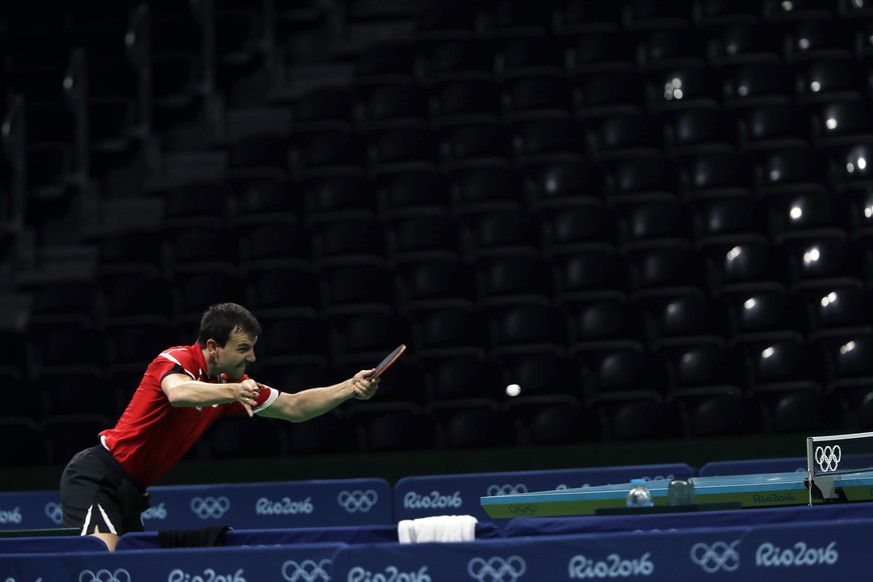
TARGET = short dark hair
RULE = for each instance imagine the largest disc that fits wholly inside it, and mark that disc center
(222, 318)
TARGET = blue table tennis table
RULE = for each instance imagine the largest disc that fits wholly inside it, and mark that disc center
(761, 490)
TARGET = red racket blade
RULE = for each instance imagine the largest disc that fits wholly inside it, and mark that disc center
(389, 359)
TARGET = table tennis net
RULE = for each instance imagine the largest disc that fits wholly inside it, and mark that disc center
(840, 454)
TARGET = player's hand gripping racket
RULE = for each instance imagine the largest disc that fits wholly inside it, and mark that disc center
(388, 361)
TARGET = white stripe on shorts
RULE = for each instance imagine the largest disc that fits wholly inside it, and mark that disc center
(106, 519)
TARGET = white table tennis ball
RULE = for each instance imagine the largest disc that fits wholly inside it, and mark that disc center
(513, 390)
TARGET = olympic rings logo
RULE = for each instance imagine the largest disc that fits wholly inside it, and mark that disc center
(718, 556)
(306, 571)
(507, 489)
(522, 508)
(54, 512)
(103, 575)
(354, 501)
(496, 569)
(828, 457)
(210, 507)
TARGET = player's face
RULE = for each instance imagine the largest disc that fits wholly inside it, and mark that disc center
(236, 354)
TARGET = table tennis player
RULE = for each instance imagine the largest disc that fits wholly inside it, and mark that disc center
(182, 392)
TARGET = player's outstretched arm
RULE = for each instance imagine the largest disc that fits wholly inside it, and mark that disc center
(301, 406)
(181, 391)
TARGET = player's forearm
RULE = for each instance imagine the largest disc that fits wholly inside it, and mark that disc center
(310, 403)
(194, 393)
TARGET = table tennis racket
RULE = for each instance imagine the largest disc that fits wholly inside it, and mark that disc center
(386, 363)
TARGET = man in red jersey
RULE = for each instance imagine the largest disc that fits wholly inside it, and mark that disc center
(183, 391)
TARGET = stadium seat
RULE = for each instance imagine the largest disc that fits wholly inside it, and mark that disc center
(740, 267)
(341, 290)
(574, 16)
(435, 283)
(644, 419)
(361, 340)
(656, 271)
(700, 130)
(544, 373)
(85, 392)
(836, 312)
(681, 87)
(717, 13)
(709, 175)
(385, 61)
(598, 50)
(546, 137)
(695, 371)
(805, 412)
(725, 415)
(513, 279)
(393, 428)
(193, 291)
(423, 236)
(552, 421)
(384, 106)
(536, 95)
(791, 171)
(590, 273)
(451, 330)
(465, 100)
(528, 328)
(471, 143)
(410, 191)
(347, 240)
(484, 188)
(325, 434)
(400, 147)
(762, 314)
(773, 126)
(635, 178)
(722, 221)
(630, 135)
(758, 83)
(135, 344)
(232, 437)
(453, 59)
(799, 214)
(740, 43)
(292, 338)
(842, 123)
(260, 196)
(687, 319)
(322, 108)
(67, 434)
(526, 55)
(822, 260)
(336, 197)
(607, 92)
(577, 227)
(30, 448)
(473, 426)
(282, 242)
(827, 79)
(280, 287)
(508, 232)
(808, 39)
(462, 377)
(781, 366)
(563, 183)
(651, 223)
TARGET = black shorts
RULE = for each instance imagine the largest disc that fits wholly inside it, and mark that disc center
(97, 491)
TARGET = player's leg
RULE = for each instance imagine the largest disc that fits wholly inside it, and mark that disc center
(90, 498)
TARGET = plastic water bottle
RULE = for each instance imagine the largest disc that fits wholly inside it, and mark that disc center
(639, 495)
(681, 491)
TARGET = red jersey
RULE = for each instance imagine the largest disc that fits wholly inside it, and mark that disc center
(152, 436)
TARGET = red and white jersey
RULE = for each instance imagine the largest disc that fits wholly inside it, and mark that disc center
(152, 436)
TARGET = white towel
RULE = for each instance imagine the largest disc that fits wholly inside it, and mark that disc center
(437, 528)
